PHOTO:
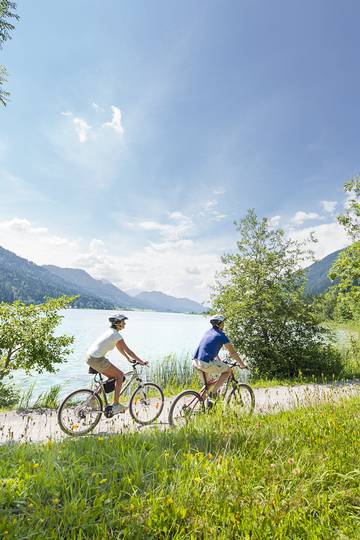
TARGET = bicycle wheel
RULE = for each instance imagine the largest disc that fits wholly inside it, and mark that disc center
(79, 412)
(241, 399)
(185, 406)
(146, 403)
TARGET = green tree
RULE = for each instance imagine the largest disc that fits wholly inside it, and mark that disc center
(27, 339)
(261, 293)
(7, 17)
(346, 269)
(350, 219)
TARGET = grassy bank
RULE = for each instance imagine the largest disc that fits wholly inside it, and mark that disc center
(289, 475)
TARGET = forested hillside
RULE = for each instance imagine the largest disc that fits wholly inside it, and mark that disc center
(23, 280)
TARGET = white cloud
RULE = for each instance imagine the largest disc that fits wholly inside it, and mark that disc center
(97, 107)
(210, 204)
(66, 113)
(36, 243)
(330, 237)
(300, 217)
(165, 246)
(21, 225)
(176, 215)
(82, 129)
(217, 216)
(115, 123)
(171, 232)
(219, 191)
(193, 270)
(329, 206)
(274, 221)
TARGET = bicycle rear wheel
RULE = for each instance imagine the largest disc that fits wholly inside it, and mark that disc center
(146, 403)
(185, 407)
(79, 412)
(241, 399)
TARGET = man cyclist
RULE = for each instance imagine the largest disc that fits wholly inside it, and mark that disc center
(96, 356)
(206, 357)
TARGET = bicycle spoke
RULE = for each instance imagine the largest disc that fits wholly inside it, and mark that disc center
(241, 399)
(185, 407)
(146, 403)
(79, 412)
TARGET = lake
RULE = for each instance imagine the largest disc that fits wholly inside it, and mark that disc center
(151, 335)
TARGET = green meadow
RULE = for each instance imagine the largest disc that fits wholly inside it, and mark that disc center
(287, 475)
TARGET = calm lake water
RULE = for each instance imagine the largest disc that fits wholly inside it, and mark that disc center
(150, 335)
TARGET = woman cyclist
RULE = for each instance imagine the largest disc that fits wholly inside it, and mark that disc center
(96, 356)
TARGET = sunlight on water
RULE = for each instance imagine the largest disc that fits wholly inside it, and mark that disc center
(150, 335)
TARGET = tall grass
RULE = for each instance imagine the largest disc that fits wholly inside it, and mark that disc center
(174, 373)
(290, 475)
(46, 400)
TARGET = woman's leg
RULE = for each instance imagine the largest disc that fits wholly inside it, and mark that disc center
(115, 373)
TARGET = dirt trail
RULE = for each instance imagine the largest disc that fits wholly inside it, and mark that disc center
(42, 426)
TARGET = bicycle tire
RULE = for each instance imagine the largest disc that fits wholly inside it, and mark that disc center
(195, 407)
(239, 393)
(132, 404)
(71, 429)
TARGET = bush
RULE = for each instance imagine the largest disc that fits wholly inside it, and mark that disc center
(9, 395)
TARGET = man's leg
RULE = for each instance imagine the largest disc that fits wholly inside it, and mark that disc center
(221, 380)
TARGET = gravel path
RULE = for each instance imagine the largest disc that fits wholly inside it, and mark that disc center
(40, 426)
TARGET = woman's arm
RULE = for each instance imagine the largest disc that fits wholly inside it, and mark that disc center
(128, 353)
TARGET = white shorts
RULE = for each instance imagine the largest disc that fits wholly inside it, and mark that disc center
(215, 366)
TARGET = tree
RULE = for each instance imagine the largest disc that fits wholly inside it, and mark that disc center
(27, 339)
(350, 219)
(7, 14)
(346, 268)
(261, 293)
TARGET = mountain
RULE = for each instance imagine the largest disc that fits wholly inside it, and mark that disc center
(318, 282)
(163, 302)
(23, 280)
(103, 289)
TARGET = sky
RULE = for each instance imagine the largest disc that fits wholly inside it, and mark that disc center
(138, 132)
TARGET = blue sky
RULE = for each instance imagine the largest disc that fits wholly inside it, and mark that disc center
(139, 131)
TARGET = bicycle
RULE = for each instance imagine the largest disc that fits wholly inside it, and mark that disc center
(189, 403)
(80, 411)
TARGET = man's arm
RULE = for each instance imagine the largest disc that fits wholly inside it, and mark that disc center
(230, 347)
(128, 353)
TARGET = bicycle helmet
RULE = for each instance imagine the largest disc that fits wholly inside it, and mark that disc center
(217, 319)
(117, 318)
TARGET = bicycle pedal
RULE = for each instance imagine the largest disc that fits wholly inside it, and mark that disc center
(108, 411)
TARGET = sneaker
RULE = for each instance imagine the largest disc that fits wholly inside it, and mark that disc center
(118, 408)
(209, 403)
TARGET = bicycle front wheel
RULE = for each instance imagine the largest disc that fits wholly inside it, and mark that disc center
(80, 412)
(185, 407)
(241, 399)
(146, 403)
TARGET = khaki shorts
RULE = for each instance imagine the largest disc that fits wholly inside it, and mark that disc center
(100, 364)
(215, 366)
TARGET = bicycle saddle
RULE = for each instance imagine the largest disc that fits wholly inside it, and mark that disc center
(92, 371)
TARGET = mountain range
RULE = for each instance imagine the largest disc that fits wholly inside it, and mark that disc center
(23, 280)
(317, 274)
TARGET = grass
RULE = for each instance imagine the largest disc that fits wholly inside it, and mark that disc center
(288, 475)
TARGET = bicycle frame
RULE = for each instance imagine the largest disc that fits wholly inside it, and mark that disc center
(99, 380)
(231, 380)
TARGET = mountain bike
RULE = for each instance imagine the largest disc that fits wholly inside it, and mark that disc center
(190, 403)
(81, 410)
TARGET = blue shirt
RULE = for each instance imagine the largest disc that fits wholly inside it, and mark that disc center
(210, 345)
